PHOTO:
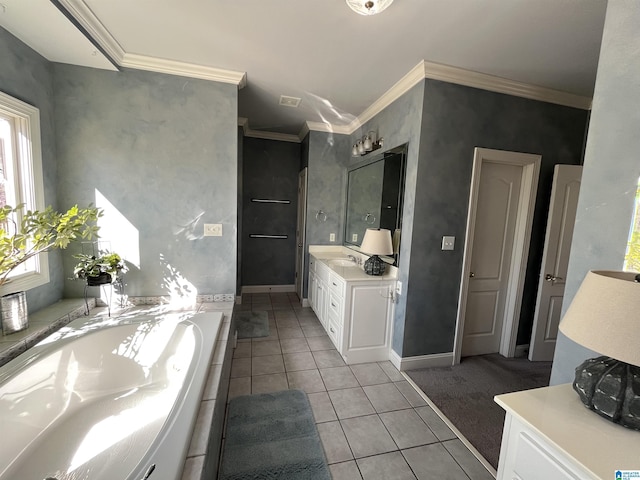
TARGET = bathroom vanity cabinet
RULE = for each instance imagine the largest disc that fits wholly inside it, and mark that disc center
(355, 309)
(550, 434)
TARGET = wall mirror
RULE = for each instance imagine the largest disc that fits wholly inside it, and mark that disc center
(374, 197)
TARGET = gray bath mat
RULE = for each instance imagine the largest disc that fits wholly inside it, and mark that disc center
(252, 324)
(272, 436)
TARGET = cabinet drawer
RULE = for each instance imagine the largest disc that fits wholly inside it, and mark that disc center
(533, 462)
(336, 286)
(322, 272)
(334, 306)
(333, 330)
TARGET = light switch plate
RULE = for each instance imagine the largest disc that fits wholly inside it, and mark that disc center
(448, 242)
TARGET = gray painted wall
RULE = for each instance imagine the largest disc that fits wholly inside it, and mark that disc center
(456, 119)
(27, 76)
(270, 172)
(397, 124)
(443, 123)
(162, 150)
(326, 155)
(611, 168)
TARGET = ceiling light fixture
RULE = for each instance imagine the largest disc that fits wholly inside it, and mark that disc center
(368, 7)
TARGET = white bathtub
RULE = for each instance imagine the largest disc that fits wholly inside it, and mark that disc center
(106, 399)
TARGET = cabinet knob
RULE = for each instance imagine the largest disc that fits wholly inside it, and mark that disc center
(471, 274)
(332, 330)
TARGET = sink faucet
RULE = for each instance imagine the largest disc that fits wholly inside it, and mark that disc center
(354, 259)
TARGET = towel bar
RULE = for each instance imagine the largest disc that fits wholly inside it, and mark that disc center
(258, 235)
(266, 200)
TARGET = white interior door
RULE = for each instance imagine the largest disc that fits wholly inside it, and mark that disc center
(555, 259)
(300, 230)
(495, 224)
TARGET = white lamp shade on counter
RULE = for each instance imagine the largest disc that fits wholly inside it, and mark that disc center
(604, 315)
(377, 242)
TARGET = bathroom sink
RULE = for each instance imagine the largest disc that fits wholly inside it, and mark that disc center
(342, 262)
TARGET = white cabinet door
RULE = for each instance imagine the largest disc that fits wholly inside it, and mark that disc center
(367, 323)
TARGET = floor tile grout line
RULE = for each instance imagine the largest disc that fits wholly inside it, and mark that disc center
(451, 426)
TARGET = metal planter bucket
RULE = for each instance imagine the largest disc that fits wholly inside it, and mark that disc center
(13, 308)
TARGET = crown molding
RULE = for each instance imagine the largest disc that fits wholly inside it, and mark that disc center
(94, 27)
(459, 76)
(492, 83)
(143, 62)
(303, 131)
(329, 128)
(402, 86)
(281, 137)
(79, 10)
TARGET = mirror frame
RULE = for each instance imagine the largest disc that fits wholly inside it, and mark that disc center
(377, 157)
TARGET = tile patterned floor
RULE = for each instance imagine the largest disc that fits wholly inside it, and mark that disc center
(372, 423)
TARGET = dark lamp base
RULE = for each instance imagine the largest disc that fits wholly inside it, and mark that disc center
(611, 389)
(374, 266)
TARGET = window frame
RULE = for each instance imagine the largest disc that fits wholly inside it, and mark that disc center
(28, 153)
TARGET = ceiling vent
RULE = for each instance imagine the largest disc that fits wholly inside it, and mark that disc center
(286, 101)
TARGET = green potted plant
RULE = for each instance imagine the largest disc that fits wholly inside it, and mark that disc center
(36, 232)
(99, 269)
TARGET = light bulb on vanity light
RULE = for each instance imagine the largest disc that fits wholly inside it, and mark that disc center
(367, 143)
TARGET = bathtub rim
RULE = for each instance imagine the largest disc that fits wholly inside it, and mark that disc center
(170, 448)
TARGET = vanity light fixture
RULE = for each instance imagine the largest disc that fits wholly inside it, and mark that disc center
(368, 7)
(366, 144)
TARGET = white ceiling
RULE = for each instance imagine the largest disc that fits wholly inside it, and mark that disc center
(338, 62)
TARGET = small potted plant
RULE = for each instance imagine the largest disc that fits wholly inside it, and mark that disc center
(26, 234)
(99, 269)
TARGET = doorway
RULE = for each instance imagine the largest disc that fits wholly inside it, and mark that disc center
(500, 215)
(300, 231)
(555, 261)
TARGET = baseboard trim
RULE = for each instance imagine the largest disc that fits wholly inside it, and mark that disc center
(521, 351)
(420, 361)
(268, 289)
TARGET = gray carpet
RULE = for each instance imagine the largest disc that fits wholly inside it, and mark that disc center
(252, 324)
(464, 393)
(272, 436)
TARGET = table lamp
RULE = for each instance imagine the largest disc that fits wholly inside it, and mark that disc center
(604, 316)
(376, 241)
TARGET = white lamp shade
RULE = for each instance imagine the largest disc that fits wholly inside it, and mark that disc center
(377, 242)
(604, 316)
(368, 7)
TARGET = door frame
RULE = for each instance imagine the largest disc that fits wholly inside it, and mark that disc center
(530, 164)
(301, 228)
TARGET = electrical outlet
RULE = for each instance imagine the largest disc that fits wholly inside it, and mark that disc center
(354, 237)
(212, 229)
(448, 242)
(332, 237)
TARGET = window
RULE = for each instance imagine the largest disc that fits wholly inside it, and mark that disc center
(21, 178)
(632, 256)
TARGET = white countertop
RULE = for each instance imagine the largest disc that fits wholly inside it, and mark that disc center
(349, 273)
(556, 413)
